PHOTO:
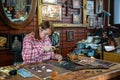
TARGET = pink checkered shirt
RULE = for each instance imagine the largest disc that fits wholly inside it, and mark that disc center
(33, 52)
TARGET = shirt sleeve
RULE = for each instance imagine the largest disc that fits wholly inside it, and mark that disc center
(48, 42)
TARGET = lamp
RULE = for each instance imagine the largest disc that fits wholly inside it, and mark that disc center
(103, 15)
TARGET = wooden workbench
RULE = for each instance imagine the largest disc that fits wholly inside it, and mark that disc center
(85, 74)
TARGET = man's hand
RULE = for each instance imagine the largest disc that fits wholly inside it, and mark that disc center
(58, 57)
(47, 48)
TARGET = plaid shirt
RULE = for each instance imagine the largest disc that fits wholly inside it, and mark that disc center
(33, 52)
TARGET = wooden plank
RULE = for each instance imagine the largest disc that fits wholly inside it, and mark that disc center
(68, 25)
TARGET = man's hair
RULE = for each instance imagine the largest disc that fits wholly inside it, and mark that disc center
(44, 25)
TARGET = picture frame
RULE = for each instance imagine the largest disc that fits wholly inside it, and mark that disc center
(55, 38)
(89, 7)
(49, 1)
(91, 21)
(76, 19)
(6, 44)
(51, 12)
(16, 42)
(99, 6)
(70, 35)
(76, 4)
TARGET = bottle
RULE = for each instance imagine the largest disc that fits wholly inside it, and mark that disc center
(54, 73)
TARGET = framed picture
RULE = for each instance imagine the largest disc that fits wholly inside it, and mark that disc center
(16, 42)
(51, 12)
(4, 40)
(49, 1)
(91, 21)
(90, 7)
(76, 19)
(70, 35)
(99, 6)
(55, 38)
(76, 3)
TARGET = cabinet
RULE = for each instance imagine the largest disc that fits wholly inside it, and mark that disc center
(6, 58)
(111, 56)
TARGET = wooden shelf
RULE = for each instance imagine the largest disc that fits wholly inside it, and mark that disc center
(3, 48)
(69, 25)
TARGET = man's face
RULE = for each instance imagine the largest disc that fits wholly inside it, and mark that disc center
(44, 33)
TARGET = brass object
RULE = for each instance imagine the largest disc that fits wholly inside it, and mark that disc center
(72, 56)
(3, 41)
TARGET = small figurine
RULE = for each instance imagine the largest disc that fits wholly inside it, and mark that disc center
(16, 44)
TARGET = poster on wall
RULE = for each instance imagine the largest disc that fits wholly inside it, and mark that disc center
(76, 3)
(99, 6)
(51, 12)
(49, 1)
(76, 19)
(70, 35)
(90, 7)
